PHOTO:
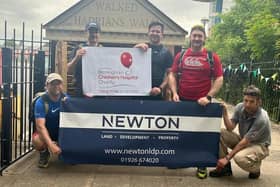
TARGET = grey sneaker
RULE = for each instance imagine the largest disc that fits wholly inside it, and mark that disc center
(44, 159)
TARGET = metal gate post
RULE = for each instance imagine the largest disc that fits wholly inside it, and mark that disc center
(39, 72)
(6, 144)
(52, 49)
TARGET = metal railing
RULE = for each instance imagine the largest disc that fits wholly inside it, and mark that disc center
(264, 75)
(23, 64)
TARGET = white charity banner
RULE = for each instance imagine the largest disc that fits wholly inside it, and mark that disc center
(109, 71)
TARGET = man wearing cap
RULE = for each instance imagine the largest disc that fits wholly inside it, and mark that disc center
(75, 65)
(47, 119)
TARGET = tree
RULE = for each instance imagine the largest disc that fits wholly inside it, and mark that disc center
(247, 32)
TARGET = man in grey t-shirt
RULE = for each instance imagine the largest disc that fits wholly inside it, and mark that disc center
(250, 147)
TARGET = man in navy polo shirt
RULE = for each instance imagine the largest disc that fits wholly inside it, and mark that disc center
(161, 61)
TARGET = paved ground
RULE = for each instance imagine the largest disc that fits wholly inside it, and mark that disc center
(26, 173)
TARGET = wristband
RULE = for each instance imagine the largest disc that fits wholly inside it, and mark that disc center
(209, 98)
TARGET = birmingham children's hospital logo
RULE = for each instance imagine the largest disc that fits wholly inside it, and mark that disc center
(126, 59)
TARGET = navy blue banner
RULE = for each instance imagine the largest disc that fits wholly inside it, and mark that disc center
(142, 133)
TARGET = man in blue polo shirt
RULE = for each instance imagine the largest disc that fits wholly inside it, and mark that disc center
(47, 119)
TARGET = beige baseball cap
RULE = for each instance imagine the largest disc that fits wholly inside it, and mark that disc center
(53, 76)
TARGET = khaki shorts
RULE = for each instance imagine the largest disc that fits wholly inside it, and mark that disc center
(249, 158)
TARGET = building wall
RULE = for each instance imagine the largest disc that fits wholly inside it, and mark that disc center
(216, 7)
(123, 22)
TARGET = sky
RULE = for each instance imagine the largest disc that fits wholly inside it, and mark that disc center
(185, 13)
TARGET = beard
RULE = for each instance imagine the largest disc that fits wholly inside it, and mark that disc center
(155, 39)
(251, 111)
(55, 92)
(197, 44)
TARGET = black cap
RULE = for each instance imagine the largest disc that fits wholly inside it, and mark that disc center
(93, 26)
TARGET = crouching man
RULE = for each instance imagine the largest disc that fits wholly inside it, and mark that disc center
(47, 108)
(250, 146)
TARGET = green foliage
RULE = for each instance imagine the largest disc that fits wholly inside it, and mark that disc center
(277, 45)
(250, 31)
(229, 48)
(261, 36)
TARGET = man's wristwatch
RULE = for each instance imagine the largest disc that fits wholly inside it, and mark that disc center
(209, 98)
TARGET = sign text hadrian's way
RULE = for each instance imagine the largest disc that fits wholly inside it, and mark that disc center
(116, 71)
(125, 14)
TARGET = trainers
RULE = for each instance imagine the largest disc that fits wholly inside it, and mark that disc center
(254, 175)
(44, 159)
(226, 171)
(201, 173)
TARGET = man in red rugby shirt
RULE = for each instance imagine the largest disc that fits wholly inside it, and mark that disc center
(201, 75)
